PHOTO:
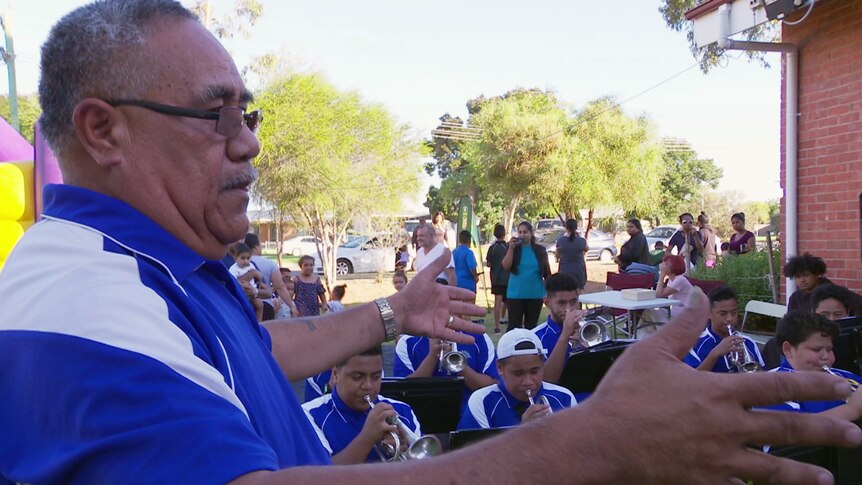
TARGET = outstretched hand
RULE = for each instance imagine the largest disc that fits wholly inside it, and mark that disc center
(667, 421)
(424, 307)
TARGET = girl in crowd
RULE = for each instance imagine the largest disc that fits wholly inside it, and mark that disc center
(672, 283)
(399, 280)
(527, 264)
(288, 310)
(636, 249)
(441, 224)
(808, 272)
(707, 234)
(337, 295)
(309, 294)
(571, 250)
(742, 240)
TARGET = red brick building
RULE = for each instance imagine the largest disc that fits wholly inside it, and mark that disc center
(830, 136)
(828, 42)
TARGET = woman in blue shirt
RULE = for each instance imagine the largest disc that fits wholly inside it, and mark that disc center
(527, 264)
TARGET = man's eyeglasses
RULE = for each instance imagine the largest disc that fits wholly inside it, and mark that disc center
(687, 221)
(229, 119)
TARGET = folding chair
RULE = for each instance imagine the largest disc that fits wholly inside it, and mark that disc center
(705, 285)
(763, 308)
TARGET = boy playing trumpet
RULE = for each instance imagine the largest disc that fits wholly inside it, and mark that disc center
(521, 395)
(347, 426)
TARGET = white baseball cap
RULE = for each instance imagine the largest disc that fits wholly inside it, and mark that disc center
(509, 340)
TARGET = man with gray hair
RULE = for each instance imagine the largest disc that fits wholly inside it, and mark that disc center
(431, 246)
(129, 354)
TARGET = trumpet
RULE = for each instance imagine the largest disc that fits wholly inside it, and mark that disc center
(418, 447)
(592, 333)
(452, 361)
(742, 359)
(543, 399)
(853, 385)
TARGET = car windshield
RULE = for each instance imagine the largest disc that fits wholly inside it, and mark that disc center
(551, 236)
(355, 242)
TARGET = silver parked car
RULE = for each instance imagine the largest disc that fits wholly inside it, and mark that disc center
(660, 233)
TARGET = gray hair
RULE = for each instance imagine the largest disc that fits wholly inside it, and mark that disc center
(91, 53)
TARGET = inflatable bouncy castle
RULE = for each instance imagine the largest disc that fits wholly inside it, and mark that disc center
(24, 170)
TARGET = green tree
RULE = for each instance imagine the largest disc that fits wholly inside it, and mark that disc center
(685, 177)
(327, 157)
(29, 111)
(240, 20)
(610, 159)
(521, 132)
(673, 12)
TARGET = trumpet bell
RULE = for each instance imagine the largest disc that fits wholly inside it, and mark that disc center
(454, 362)
(593, 333)
(425, 447)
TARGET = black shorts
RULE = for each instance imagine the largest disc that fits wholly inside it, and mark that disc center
(499, 290)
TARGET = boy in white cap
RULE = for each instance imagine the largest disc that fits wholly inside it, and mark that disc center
(520, 363)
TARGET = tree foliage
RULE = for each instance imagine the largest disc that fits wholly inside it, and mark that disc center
(242, 17)
(327, 157)
(685, 177)
(29, 111)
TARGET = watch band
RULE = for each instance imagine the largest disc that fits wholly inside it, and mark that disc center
(388, 317)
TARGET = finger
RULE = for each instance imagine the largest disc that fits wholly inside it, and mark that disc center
(789, 428)
(680, 334)
(460, 294)
(763, 468)
(465, 308)
(436, 267)
(452, 335)
(766, 388)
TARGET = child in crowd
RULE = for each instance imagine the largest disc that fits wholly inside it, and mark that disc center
(309, 294)
(806, 341)
(672, 283)
(399, 280)
(808, 272)
(402, 258)
(656, 255)
(465, 262)
(335, 304)
(284, 312)
(248, 277)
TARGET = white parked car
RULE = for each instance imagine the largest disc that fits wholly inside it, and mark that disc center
(300, 245)
(362, 254)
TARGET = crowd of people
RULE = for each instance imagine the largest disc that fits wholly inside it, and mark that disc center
(131, 353)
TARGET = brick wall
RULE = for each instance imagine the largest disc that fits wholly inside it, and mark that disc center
(830, 136)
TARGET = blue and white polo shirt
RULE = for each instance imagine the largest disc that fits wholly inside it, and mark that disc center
(707, 341)
(126, 354)
(494, 407)
(813, 406)
(337, 424)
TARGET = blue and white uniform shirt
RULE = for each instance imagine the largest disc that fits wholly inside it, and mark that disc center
(316, 386)
(337, 425)
(549, 333)
(494, 407)
(813, 406)
(411, 351)
(707, 341)
(142, 360)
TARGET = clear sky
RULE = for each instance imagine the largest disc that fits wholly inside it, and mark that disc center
(423, 59)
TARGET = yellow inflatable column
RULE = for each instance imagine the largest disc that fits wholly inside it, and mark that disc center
(17, 204)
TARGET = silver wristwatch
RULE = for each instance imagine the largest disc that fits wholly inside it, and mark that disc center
(388, 318)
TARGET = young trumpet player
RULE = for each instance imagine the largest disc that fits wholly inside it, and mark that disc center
(521, 395)
(806, 340)
(346, 425)
(423, 357)
(561, 298)
(715, 346)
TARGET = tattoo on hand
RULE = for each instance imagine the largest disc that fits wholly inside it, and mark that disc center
(308, 323)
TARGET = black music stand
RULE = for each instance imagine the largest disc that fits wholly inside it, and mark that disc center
(848, 345)
(436, 401)
(585, 369)
(461, 438)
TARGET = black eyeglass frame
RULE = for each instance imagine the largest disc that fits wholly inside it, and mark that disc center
(252, 119)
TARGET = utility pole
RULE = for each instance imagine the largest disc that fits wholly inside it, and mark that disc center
(8, 56)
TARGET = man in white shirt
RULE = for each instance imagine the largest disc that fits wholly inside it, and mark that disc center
(429, 250)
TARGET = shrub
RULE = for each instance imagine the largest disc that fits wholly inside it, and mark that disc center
(748, 275)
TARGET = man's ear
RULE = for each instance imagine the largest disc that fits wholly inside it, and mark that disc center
(100, 128)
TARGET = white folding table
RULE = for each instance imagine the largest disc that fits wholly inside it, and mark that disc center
(614, 299)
